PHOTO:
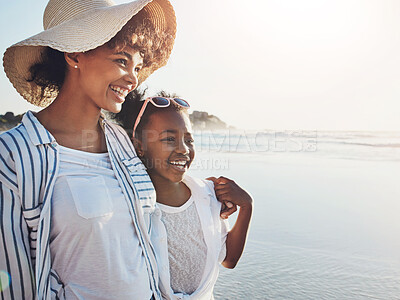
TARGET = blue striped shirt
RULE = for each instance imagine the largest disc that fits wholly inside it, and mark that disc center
(29, 165)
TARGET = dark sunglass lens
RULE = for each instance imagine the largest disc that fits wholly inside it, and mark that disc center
(160, 101)
(181, 102)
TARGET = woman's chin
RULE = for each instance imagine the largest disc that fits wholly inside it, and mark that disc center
(116, 108)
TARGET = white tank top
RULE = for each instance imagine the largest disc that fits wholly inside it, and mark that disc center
(94, 246)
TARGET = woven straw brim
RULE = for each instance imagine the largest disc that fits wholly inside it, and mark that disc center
(83, 33)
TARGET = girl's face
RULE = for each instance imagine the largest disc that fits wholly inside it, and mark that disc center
(107, 75)
(167, 145)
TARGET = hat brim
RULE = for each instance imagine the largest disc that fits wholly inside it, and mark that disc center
(83, 33)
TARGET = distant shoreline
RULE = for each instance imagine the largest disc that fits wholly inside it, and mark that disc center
(9, 120)
(200, 120)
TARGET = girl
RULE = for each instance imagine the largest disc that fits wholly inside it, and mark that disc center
(74, 196)
(196, 238)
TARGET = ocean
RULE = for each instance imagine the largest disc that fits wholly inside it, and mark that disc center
(326, 222)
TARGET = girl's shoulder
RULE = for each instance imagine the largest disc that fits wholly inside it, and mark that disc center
(199, 186)
(201, 189)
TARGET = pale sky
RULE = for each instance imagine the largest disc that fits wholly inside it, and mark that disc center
(258, 64)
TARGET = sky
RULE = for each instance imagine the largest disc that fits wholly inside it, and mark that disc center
(266, 64)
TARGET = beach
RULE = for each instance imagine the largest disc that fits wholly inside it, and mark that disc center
(326, 218)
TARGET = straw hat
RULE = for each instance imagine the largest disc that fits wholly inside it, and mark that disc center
(79, 26)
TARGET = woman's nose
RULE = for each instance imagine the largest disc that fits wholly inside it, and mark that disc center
(132, 77)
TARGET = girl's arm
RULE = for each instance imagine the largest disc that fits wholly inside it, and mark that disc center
(228, 191)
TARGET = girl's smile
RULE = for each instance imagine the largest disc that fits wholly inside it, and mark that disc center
(167, 145)
(180, 165)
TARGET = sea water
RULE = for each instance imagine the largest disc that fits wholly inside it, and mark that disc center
(326, 221)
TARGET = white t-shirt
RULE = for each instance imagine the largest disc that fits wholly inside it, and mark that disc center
(94, 247)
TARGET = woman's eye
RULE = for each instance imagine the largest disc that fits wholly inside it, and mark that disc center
(190, 141)
(122, 61)
(137, 69)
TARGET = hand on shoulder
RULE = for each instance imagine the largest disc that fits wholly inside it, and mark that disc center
(231, 195)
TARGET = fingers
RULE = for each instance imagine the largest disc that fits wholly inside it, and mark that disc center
(224, 187)
(212, 178)
(220, 180)
(223, 180)
(229, 204)
(226, 197)
(225, 213)
(225, 192)
(221, 188)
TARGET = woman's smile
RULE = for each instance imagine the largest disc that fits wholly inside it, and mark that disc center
(120, 92)
(108, 75)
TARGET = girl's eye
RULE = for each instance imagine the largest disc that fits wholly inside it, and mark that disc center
(168, 139)
(137, 69)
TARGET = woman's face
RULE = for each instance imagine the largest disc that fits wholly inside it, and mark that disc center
(107, 75)
(167, 145)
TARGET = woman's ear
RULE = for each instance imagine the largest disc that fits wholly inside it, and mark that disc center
(72, 59)
(138, 146)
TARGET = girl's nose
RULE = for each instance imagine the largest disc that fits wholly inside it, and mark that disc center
(182, 148)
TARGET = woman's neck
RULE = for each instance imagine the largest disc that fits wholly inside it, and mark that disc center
(74, 122)
(171, 193)
(70, 111)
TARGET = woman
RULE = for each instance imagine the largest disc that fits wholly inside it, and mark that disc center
(75, 199)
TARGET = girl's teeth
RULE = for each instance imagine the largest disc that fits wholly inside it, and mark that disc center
(179, 163)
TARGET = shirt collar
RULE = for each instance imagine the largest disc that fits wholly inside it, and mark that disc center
(102, 120)
(36, 131)
(40, 135)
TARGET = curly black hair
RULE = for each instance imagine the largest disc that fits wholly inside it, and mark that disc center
(49, 74)
(126, 118)
(139, 33)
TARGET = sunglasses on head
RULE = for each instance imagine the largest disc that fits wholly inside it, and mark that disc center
(159, 102)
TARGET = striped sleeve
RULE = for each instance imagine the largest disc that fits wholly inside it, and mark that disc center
(8, 175)
(15, 261)
(17, 279)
